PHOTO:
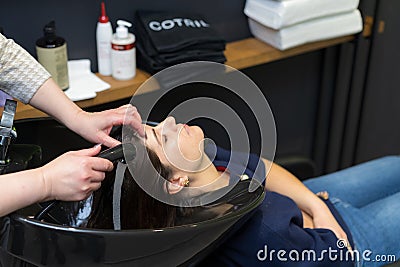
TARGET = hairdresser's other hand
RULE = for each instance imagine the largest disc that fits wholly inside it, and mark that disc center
(96, 126)
(74, 175)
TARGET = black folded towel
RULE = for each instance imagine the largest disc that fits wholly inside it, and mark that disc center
(166, 32)
(168, 38)
(155, 64)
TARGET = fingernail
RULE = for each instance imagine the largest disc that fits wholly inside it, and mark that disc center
(96, 145)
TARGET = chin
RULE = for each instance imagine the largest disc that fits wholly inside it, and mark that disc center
(198, 131)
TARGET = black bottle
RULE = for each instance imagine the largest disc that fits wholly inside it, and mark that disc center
(52, 54)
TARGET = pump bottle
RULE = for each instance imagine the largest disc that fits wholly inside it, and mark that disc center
(103, 41)
(123, 52)
(51, 51)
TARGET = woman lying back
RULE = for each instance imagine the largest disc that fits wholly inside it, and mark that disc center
(291, 217)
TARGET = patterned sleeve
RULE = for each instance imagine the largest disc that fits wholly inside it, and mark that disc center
(20, 74)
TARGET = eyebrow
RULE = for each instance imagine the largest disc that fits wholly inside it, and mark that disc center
(155, 136)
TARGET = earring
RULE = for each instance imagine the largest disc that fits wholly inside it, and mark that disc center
(186, 182)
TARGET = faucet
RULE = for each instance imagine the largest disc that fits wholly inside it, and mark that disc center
(7, 133)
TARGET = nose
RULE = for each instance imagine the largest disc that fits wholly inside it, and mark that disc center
(168, 124)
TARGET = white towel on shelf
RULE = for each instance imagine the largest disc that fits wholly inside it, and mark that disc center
(83, 84)
(309, 31)
(277, 14)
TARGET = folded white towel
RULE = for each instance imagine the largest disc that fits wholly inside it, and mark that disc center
(83, 84)
(276, 14)
(309, 31)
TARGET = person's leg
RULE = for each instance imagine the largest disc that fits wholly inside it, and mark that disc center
(362, 184)
(375, 229)
(385, 216)
(367, 197)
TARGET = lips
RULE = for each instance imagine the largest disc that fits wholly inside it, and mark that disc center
(187, 128)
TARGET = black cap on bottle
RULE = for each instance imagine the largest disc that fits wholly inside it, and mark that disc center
(50, 28)
(50, 39)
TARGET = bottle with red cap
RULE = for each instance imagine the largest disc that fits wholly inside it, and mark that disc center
(104, 34)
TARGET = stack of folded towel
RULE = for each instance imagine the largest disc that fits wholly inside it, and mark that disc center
(288, 23)
(168, 38)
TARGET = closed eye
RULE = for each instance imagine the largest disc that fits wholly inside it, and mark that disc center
(156, 137)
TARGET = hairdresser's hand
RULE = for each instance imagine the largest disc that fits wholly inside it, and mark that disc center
(96, 127)
(74, 175)
(325, 219)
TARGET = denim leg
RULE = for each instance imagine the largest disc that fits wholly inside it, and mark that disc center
(375, 229)
(368, 198)
(385, 216)
(362, 184)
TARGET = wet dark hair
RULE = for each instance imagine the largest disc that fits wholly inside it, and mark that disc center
(138, 209)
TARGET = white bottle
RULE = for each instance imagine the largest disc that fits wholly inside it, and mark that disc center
(123, 52)
(103, 40)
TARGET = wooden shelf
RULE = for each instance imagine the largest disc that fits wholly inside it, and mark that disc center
(119, 90)
(252, 52)
(240, 54)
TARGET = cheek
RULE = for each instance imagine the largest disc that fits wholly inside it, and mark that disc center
(189, 146)
(182, 155)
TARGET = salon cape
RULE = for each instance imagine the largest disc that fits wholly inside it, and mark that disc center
(277, 224)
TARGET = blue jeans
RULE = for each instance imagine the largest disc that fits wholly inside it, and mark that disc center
(368, 198)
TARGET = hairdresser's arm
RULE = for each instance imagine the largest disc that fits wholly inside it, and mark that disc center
(94, 127)
(24, 78)
(70, 177)
(283, 182)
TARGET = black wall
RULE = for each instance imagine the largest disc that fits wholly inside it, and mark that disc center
(379, 132)
(23, 20)
(366, 114)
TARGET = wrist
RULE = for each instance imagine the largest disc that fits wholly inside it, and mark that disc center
(316, 207)
(75, 120)
(45, 185)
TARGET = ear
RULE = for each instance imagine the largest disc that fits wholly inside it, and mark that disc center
(176, 183)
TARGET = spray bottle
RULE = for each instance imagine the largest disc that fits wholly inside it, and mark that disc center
(103, 41)
(123, 52)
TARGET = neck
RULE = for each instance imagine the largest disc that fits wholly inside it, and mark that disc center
(209, 179)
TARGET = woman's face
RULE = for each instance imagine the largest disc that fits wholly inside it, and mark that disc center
(178, 146)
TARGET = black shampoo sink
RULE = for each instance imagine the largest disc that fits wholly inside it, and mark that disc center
(57, 240)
